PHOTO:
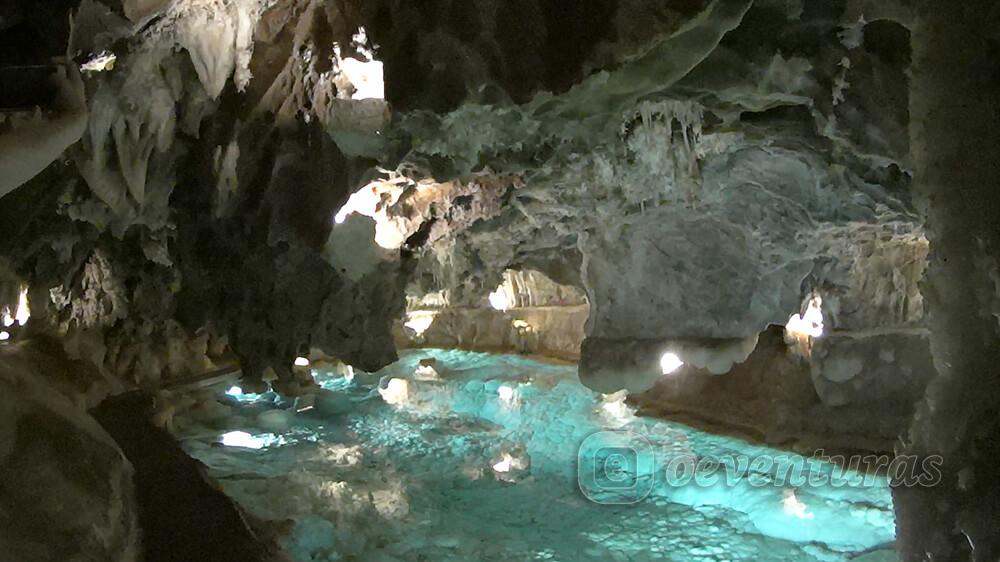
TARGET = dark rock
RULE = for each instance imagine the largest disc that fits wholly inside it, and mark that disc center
(184, 515)
(66, 491)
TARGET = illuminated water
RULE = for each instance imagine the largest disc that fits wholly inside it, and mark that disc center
(483, 465)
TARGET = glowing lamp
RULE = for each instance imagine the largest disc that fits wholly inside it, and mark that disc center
(670, 362)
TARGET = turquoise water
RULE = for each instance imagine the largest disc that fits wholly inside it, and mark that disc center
(506, 458)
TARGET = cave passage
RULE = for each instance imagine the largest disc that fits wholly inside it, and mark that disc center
(458, 455)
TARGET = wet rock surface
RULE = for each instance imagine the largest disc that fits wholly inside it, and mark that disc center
(783, 399)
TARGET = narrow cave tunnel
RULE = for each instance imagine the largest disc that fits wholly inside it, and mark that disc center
(317, 280)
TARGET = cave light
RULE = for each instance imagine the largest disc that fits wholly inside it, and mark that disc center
(21, 314)
(245, 440)
(103, 61)
(810, 324)
(373, 200)
(420, 320)
(367, 76)
(506, 394)
(505, 464)
(670, 362)
(508, 463)
(522, 326)
(614, 407)
(236, 391)
(302, 362)
(4, 336)
(426, 372)
(500, 299)
(389, 235)
(23, 311)
(396, 392)
(363, 201)
(793, 506)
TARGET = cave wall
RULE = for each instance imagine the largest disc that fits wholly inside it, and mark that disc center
(192, 225)
(536, 315)
(954, 99)
(68, 491)
(851, 395)
(554, 332)
(740, 173)
(705, 203)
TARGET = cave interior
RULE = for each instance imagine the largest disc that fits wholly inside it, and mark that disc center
(376, 280)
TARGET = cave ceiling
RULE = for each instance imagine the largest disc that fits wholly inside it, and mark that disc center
(696, 168)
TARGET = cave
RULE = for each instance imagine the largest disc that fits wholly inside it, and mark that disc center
(371, 280)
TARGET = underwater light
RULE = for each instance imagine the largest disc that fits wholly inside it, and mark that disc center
(615, 409)
(427, 373)
(794, 507)
(4, 336)
(504, 465)
(670, 362)
(509, 463)
(235, 391)
(301, 362)
(243, 439)
(396, 392)
(505, 393)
